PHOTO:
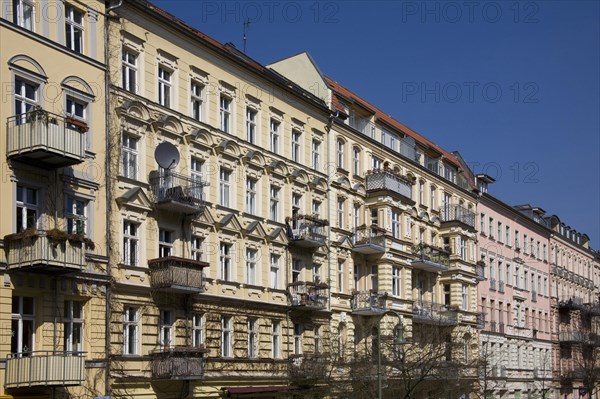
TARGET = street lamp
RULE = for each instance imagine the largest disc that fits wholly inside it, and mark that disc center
(398, 340)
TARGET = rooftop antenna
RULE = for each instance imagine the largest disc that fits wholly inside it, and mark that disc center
(246, 27)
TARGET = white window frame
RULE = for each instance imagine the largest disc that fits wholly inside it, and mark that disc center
(227, 336)
(276, 339)
(251, 128)
(225, 113)
(131, 330)
(296, 146)
(252, 338)
(396, 224)
(316, 156)
(296, 270)
(25, 207)
(196, 165)
(198, 330)
(340, 146)
(129, 156)
(166, 339)
(76, 211)
(25, 100)
(129, 70)
(196, 100)
(224, 187)
(164, 85)
(72, 26)
(356, 161)
(166, 241)
(251, 266)
(251, 196)
(341, 205)
(396, 281)
(73, 327)
(131, 243)
(24, 14)
(225, 270)
(274, 202)
(341, 274)
(274, 135)
(298, 333)
(21, 318)
(274, 272)
(197, 243)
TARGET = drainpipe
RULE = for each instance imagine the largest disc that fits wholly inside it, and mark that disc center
(328, 129)
(107, 390)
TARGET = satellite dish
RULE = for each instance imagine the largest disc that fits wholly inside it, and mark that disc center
(166, 155)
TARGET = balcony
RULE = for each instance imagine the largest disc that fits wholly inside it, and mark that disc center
(308, 295)
(307, 368)
(430, 259)
(480, 271)
(492, 284)
(44, 139)
(457, 213)
(434, 313)
(178, 275)
(500, 286)
(178, 363)
(306, 231)
(47, 251)
(570, 303)
(386, 180)
(533, 296)
(368, 303)
(177, 193)
(369, 240)
(570, 337)
(44, 368)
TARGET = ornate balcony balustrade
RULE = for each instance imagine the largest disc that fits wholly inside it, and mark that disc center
(434, 313)
(369, 239)
(306, 231)
(307, 368)
(308, 294)
(44, 368)
(178, 363)
(177, 193)
(176, 274)
(430, 258)
(386, 180)
(457, 213)
(368, 302)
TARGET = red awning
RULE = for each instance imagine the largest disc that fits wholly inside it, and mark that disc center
(252, 390)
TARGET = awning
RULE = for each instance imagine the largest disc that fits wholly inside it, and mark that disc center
(254, 390)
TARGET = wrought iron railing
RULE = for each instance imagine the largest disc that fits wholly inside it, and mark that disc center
(369, 235)
(168, 186)
(178, 363)
(368, 301)
(382, 179)
(455, 212)
(434, 312)
(309, 294)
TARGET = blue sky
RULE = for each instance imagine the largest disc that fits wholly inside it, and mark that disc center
(513, 85)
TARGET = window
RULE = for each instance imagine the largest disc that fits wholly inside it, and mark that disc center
(226, 335)
(376, 162)
(525, 244)
(517, 243)
(432, 195)
(251, 125)
(408, 229)
(316, 272)
(463, 248)
(545, 253)
(491, 227)
(274, 272)
(316, 207)
(252, 338)
(482, 223)
(341, 204)
(164, 86)
(26, 97)
(22, 325)
(447, 295)
(507, 238)
(130, 243)
(296, 268)
(73, 326)
(76, 215)
(276, 339)
(315, 154)
(500, 232)
(298, 330)
(396, 280)
(251, 266)
(165, 243)
(356, 161)
(356, 277)
(196, 90)
(129, 70)
(197, 182)
(27, 208)
(225, 262)
(24, 13)
(374, 278)
(274, 135)
(465, 297)
(74, 29)
(340, 153)
(129, 155)
(374, 216)
(341, 274)
(198, 330)
(131, 330)
(251, 196)
(356, 215)
(224, 187)
(296, 134)
(274, 203)
(166, 338)
(196, 248)
(225, 114)
(317, 337)
(422, 193)
(396, 224)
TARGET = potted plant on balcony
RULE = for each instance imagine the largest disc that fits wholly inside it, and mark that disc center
(78, 124)
(26, 234)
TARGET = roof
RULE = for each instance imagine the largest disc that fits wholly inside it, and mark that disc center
(341, 91)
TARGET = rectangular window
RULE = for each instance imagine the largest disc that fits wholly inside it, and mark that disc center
(251, 266)
(315, 154)
(276, 339)
(491, 227)
(198, 330)
(316, 271)
(341, 204)
(525, 244)
(164, 86)
(22, 325)
(74, 29)
(507, 238)
(396, 223)
(196, 248)
(225, 114)
(356, 161)
(296, 134)
(27, 211)
(298, 330)
(196, 90)
(252, 338)
(251, 196)
(422, 193)
(545, 253)
(130, 243)
(73, 326)
(129, 156)
(517, 242)
(296, 269)
(316, 208)
(224, 187)
(274, 203)
(482, 223)
(376, 163)
(396, 281)
(340, 154)
(76, 215)
(76, 109)
(317, 337)
(274, 272)
(26, 98)
(129, 70)
(341, 273)
(226, 337)
(374, 278)
(432, 195)
(500, 232)
(165, 243)
(24, 13)
(131, 328)
(166, 338)
(447, 295)
(251, 125)
(356, 215)
(225, 262)
(274, 135)
(197, 188)
(465, 297)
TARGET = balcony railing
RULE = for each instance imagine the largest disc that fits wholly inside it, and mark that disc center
(178, 363)
(430, 258)
(500, 286)
(306, 231)
(176, 274)
(44, 368)
(492, 284)
(533, 296)
(457, 213)
(434, 313)
(177, 193)
(369, 240)
(308, 294)
(306, 368)
(39, 250)
(570, 302)
(480, 271)
(368, 302)
(42, 138)
(570, 336)
(381, 179)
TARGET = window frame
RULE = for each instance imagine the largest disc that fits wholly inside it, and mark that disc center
(130, 243)
(164, 85)
(197, 100)
(129, 156)
(69, 324)
(129, 70)
(72, 27)
(131, 324)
